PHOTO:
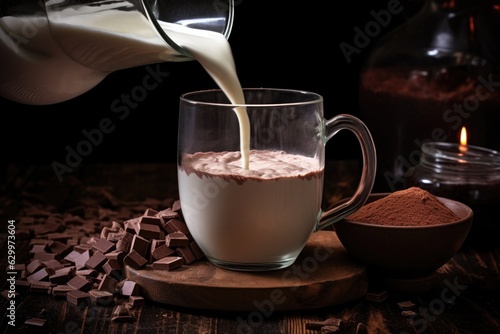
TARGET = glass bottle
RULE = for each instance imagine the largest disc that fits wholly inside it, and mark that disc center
(427, 78)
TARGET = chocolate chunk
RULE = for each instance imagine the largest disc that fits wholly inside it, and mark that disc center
(155, 243)
(72, 219)
(63, 275)
(53, 264)
(103, 245)
(41, 275)
(83, 246)
(96, 261)
(41, 287)
(80, 283)
(132, 225)
(73, 255)
(167, 214)
(100, 297)
(108, 283)
(162, 251)
(150, 212)
(406, 305)
(116, 256)
(140, 245)
(34, 266)
(48, 227)
(105, 232)
(408, 313)
(61, 237)
(130, 288)
(113, 268)
(168, 263)
(81, 259)
(135, 301)
(125, 242)
(121, 314)
(157, 221)
(177, 239)
(61, 290)
(59, 248)
(114, 236)
(196, 250)
(39, 248)
(176, 206)
(38, 241)
(72, 242)
(36, 323)
(186, 254)
(87, 272)
(44, 256)
(149, 231)
(77, 297)
(376, 296)
(135, 260)
(176, 225)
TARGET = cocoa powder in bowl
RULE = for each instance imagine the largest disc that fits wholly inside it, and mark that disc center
(405, 234)
(410, 207)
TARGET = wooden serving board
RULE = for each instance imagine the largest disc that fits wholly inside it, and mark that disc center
(323, 275)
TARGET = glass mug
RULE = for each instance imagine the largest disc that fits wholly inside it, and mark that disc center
(259, 216)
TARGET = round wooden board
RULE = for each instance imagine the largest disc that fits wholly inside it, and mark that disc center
(323, 275)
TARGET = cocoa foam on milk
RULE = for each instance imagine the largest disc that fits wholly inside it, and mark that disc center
(265, 165)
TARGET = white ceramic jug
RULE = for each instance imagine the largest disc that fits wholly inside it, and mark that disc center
(54, 50)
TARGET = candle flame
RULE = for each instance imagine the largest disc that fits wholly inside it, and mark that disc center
(463, 136)
(463, 140)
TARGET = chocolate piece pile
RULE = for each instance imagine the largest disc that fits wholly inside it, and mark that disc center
(81, 257)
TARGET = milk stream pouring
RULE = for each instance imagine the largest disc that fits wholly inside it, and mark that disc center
(54, 50)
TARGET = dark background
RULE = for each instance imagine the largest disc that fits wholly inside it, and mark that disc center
(281, 44)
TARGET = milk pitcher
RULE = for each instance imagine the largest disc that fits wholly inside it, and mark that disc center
(54, 50)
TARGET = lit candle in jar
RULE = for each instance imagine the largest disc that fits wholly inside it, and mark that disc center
(467, 173)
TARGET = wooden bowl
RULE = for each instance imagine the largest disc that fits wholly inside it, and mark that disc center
(405, 251)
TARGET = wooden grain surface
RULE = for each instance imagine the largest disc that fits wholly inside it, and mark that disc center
(323, 275)
(465, 298)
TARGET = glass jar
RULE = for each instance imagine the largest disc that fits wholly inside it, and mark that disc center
(468, 174)
(427, 78)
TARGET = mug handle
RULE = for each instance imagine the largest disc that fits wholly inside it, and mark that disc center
(350, 122)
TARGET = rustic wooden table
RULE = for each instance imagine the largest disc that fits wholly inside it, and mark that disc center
(466, 298)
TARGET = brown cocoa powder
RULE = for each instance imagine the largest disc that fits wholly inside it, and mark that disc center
(409, 207)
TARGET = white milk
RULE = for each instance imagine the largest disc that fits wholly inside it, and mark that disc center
(214, 53)
(259, 216)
